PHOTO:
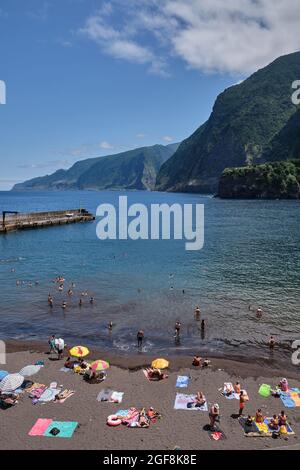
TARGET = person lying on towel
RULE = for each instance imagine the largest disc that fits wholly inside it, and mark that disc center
(156, 374)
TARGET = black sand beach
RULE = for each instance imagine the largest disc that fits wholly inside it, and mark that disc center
(184, 429)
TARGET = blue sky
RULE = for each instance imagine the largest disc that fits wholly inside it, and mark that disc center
(94, 77)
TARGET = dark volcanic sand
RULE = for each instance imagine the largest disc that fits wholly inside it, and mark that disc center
(176, 428)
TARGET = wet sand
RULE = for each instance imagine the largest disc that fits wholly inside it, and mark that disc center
(176, 428)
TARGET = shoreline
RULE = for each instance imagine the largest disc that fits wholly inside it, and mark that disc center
(234, 366)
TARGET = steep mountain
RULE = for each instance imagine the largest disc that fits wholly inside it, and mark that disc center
(134, 169)
(244, 121)
(286, 144)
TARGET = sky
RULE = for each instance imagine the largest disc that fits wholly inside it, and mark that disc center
(87, 78)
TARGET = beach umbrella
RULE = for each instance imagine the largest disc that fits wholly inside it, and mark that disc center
(99, 365)
(28, 371)
(160, 364)
(11, 382)
(79, 351)
(3, 373)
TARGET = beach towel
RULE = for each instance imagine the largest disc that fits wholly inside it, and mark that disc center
(228, 386)
(291, 399)
(37, 392)
(261, 429)
(265, 390)
(65, 370)
(182, 381)
(122, 413)
(104, 395)
(116, 397)
(48, 395)
(187, 402)
(40, 427)
(66, 428)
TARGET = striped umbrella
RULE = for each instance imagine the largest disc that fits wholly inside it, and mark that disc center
(99, 365)
(28, 371)
(79, 351)
(11, 382)
(3, 373)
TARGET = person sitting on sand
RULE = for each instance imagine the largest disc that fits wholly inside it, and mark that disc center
(69, 364)
(249, 420)
(228, 389)
(200, 399)
(237, 388)
(143, 419)
(197, 361)
(206, 363)
(214, 415)
(83, 364)
(259, 417)
(274, 423)
(282, 419)
(283, 385)
(93, 376)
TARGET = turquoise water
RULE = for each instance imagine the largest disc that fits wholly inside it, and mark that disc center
(250, 257)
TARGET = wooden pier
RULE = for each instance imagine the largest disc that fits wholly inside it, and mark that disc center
(20, 221)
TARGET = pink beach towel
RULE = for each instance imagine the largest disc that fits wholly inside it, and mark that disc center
(40, 427)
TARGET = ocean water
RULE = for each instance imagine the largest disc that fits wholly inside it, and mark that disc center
(250, 258)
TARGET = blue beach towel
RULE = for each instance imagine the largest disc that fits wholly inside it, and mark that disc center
(287, 400)
(66, 428)
(182, 381)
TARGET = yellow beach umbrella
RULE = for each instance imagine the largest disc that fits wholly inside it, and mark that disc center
(79, 351)
(160, 364)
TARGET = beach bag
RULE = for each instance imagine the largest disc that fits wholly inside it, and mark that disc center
(265, 390)
(54, 431)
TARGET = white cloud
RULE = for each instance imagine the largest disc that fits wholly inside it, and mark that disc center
(168, 138)
(141, 135)
(232, 36)
(106, 145)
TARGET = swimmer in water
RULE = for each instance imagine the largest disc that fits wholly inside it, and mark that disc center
(197, 313)
(92, 300)
(110, 326)
(259, 313)
(64, 305)
(70, 292)
(202, 325)
(271, 343)
(80, 302)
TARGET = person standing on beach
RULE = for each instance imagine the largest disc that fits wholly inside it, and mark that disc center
(140, 337)
(59, 345)
(242, 403)
(214, 415)
(52, 344)
(177, 329)
(259, 312)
